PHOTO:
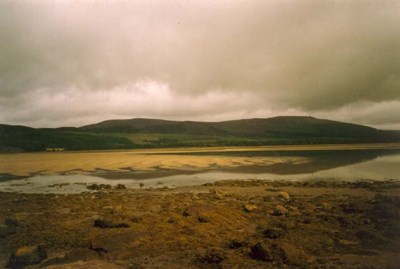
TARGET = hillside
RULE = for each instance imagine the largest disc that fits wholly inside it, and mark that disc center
(153, 133)
(21, 138)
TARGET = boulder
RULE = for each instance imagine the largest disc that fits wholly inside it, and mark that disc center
(250, 207)
(104, 224)
(95, 264)
(295, 256)
(202, 213)
(96, 187)
(8, 227)
(120, 187)
(213, 256)
(280, 211)
(261, 251)
(273, 233)
(27, 255)
(284, 195)
(113, 245)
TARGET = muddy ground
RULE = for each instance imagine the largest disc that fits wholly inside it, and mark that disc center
(229, 224)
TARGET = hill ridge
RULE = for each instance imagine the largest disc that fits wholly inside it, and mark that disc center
(159, 133)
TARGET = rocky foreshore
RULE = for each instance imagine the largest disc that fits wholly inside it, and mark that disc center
(227, 224)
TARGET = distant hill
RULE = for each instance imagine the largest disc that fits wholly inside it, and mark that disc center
(153, 133)
(21, 138)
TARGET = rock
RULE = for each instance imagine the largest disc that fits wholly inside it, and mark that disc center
(219, 194)
(136, 219)
(27, 255)
(96, 187)
(93, 187)
(213, 256)
(280, 211)
(115, 244)
(76, 254)
(202, 213)
(261, 251)
(102, 223)
(120, 187)
(250, 207)
(81, 254)
(235, 244)
(284, 195)
(96, 264)
(295, 256)
(64, 211)
(351, 208)
(387, 211)
(326, 206)
(274, 233)
(204, 218)
(8, 227)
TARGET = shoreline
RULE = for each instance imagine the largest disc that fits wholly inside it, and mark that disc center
(299, 147)
(250, 224)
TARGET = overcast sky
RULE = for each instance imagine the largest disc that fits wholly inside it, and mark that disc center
(70, 63)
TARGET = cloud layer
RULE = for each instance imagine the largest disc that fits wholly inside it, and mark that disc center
(78, 62)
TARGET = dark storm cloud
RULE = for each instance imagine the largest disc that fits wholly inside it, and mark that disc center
(70, 63)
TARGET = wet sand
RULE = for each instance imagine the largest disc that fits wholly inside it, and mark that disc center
(229, 224)
(48, 163)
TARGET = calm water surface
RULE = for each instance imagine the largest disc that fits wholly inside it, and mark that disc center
(323, 165)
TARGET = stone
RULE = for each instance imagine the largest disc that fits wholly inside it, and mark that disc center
(219, 194)
(280, 211)
(96, 187)
(213, 256)
(274, 233)
(136, 219)
(261, 251)
(74, 255)
(197, 210)
(284, 195)
(115, 244)
(64, 211)
(8, 228)
(326, 206)
(94, 264)
(27, 255)
(235, 244)
(202, 213)
(93, 187)
(81, 254)
(120, 187)
(295, 256)
(250, 207)
(204, 218)
(104, 224)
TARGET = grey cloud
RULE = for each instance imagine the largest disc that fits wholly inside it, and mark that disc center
(306, 57)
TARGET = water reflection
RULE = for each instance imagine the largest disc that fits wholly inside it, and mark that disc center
(319, 165)
(316, 161)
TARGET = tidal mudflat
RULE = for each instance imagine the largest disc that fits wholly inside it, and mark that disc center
(295, 208)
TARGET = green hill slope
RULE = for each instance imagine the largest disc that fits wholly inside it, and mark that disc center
(21, 138)
(153, 133)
